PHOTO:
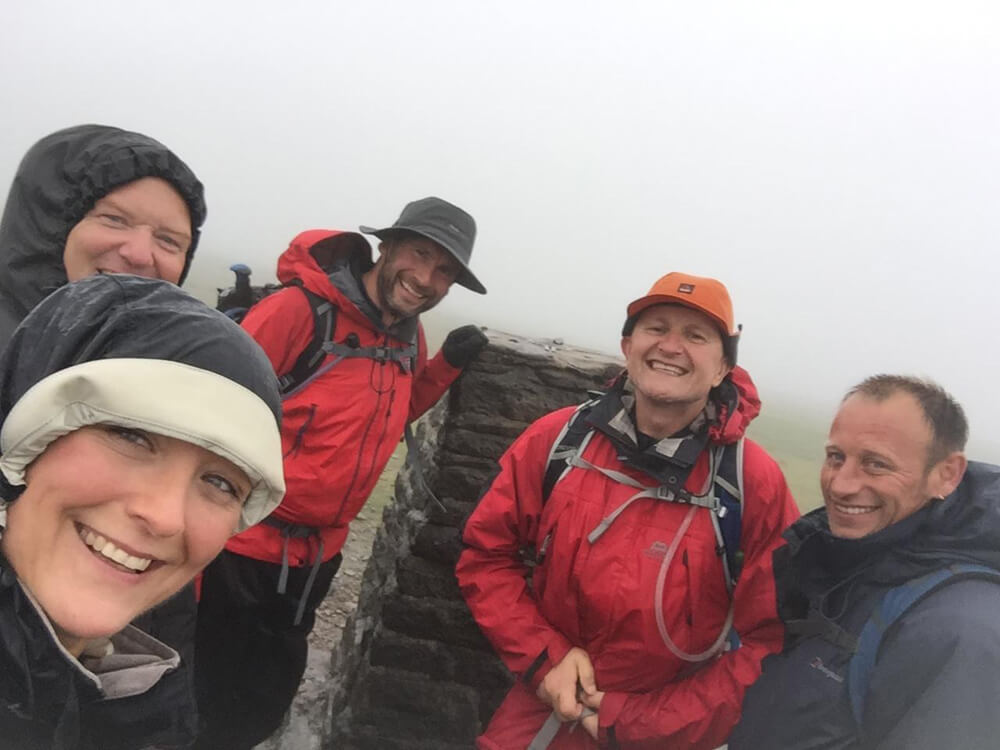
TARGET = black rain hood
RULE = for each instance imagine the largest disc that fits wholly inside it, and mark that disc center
(57, 183)
(180, 394)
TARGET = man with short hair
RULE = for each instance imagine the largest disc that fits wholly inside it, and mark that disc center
(888, 593)
(653, 546)
(342, 420)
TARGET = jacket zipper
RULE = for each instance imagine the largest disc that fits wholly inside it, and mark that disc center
(300, 435)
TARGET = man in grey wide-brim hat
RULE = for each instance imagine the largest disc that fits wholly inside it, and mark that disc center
(445, 225)
(344, 412)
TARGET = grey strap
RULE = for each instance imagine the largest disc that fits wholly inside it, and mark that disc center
(660, 492)
(321, 371)
(283, 576)
(551, 728)
(546, 734)
(317, 561)
(603, 526)
(708, 500)
(403, 356)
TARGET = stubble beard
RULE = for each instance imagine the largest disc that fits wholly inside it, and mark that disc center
(385, 284)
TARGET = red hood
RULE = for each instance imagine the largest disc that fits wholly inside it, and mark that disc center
(732, 426)
(297, 262)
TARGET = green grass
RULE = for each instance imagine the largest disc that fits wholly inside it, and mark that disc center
(796, 443)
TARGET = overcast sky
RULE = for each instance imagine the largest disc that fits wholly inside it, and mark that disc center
(836, 164)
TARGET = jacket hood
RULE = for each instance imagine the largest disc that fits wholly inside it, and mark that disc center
(58, 182)
(140, 353)
(965, 526)
(730, 409)
(739, 405)
(313, 255)
(330, 263)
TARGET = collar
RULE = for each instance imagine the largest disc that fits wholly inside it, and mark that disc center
(347, 276)
(669, 459)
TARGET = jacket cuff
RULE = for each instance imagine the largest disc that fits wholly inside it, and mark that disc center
(554, 653)
(448, 370)
(607, 717)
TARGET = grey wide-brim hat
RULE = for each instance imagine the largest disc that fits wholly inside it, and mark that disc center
(441, 222)
(141, 353)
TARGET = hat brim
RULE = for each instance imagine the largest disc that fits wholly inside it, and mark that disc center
(465, 277)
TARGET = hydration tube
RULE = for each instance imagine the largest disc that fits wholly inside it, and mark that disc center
(658, 603)
(713, 466)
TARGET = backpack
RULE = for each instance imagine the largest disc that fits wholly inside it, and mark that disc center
(309, 365)
(237, 301)
(893, 605)
(727, 481)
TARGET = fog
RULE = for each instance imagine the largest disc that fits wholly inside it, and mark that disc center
(836, 164)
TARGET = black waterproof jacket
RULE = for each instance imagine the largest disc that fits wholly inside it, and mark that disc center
(937, 676)
(45, 699)
(58, 181)
(56, 184)
(47, 703)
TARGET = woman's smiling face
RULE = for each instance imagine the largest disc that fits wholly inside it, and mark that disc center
(113, 521)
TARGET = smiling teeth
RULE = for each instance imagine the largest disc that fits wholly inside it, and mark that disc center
(673, 369)
(411, 290)
(101, 545)
(856, 510)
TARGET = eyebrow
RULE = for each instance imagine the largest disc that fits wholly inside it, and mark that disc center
(879, 456)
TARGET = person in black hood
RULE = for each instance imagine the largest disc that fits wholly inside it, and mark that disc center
(889, 594)
(140, 429)
(95, 198)
(90, 199)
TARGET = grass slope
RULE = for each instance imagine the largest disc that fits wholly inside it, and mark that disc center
(796, 443)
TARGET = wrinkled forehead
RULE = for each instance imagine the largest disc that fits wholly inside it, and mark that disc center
(150, 199)
(677, 313)
(895, 424)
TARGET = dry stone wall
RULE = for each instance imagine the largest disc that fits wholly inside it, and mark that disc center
(413, 671)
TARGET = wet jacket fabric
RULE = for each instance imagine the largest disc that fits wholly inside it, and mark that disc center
(51, 701)
(47, 700)
(119, 316)
(600, 596)
(57, 183)
(339, 431)
(937, 673)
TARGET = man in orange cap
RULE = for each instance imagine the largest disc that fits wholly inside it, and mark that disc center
(652, 600)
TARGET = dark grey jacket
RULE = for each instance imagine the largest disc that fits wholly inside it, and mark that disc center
(46, 700)
(57, 183)
(937, 676)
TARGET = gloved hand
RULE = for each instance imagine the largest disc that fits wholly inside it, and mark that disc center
(462, 345)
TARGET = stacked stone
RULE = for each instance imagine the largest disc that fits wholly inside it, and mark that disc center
(415, 671)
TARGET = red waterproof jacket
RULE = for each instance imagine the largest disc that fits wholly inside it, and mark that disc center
(600, 596)
(340, 430)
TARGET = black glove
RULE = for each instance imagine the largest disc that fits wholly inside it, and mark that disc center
(462, 345)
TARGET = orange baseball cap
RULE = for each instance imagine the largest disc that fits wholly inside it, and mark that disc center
(701, 293)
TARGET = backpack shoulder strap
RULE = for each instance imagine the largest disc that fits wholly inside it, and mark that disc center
(729, 490)
(566, 444)
(324, 315)
(893, 605)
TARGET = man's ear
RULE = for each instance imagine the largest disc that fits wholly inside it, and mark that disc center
(626, 345)
(946, 474)
(725, 369)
